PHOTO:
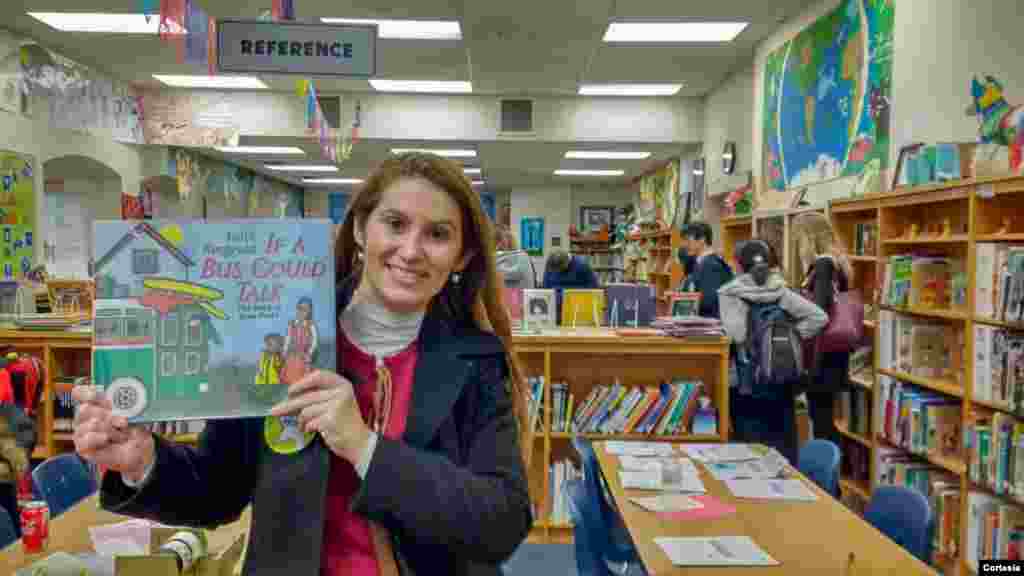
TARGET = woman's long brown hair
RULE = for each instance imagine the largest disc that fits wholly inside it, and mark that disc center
(477, 297)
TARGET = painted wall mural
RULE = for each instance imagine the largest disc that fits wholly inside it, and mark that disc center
(17, 214)
(826, 97)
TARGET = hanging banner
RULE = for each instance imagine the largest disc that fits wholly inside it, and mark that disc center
(257, 46)
(191, 119)
(17, 215)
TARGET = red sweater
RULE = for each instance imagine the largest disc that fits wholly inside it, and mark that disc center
(348, 543)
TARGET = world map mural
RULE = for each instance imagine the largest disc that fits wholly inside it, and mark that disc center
(826, 97)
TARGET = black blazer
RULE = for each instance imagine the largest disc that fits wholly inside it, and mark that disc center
(452, 491)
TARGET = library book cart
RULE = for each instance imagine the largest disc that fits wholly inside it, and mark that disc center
(942, 270)
(578, 360)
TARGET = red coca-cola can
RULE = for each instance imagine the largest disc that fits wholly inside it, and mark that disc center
(35, 527)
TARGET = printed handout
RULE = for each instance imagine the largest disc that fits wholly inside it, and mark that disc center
(624, 448)
(772, 489)
(725, 452)
(717, 551)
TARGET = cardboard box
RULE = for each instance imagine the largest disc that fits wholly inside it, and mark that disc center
(217, 563)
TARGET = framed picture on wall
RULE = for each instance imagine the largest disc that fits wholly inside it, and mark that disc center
(531, 236)
(593, 218)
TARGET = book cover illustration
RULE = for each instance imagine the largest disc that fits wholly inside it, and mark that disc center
(539, 308)
(629, 305)
(685, 303)
(207, 320)
(582, 307)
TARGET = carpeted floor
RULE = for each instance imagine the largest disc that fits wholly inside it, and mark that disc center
(542, 560)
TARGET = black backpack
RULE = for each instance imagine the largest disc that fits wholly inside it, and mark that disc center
(770, 363)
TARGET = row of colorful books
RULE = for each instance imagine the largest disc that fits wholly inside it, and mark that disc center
(925, 282)
(999, 367)
(995, 453)
(995, 529)
(667, 410)
(896, 468)
(917, 420)
(615, 305)
(920, 347)
(865, 239)
(855, 410)
(999, 282)
(558, 473)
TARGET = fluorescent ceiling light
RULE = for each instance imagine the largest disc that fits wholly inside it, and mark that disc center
(471, 170)
(99, 22)
(332, 181)
(629, 89)
(589, 172)
(301, 168)
(698, 171)
(607, 155)
(234, 82)
(408, 29)
(477, 182)
(262, 150)
(673, 31)
(421, 86)
(445, 153)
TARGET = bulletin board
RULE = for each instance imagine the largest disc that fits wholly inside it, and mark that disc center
(17, 214)
(531, 236)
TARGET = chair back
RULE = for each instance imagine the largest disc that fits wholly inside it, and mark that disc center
(905, 516)
(63, 481)
(606, 536)
(819, 461)
(7, 533)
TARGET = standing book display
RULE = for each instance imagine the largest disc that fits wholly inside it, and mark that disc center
(206, 320)
(582, 307)
(629, 305)
(538, 309)
(685, 303)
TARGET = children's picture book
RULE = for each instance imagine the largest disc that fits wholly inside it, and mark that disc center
(208, 320)
(539, 309)
(581, 307)
(685, 303)
(629, 305)
(513, 300)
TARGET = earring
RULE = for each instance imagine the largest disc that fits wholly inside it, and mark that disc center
(456, 278)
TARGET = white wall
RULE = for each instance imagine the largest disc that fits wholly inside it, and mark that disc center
(728, 116)
(554, 204)
(938, 46)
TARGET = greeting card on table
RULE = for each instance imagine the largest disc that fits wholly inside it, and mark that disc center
(207, 320)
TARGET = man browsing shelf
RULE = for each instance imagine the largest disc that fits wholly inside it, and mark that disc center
(706, 271)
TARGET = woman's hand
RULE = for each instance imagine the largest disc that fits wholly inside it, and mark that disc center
(326, 403)
(107, 440)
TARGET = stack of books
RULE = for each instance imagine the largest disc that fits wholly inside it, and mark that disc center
(690, 327)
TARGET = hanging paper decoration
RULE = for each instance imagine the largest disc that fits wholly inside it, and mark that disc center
(189, 173)
(149, 8)
(282, 10)
(172, 24)
(200, 37)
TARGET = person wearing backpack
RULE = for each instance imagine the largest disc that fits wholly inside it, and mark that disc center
(767, 323)
(706, 271)
(827, 272)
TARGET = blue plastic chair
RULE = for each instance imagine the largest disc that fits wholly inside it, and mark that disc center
(603, 545)
(63, 481)
(7, 533)
(905, 516)
(819, 461)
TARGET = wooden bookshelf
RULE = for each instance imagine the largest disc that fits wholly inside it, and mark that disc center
(663, 269)
(587, 357)
(59, 351)
(733, 231)
(976, 211)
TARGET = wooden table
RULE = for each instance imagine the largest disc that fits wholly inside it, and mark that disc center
(69, 533)
(805, 537)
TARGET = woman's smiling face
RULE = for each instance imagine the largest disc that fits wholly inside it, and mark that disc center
(412, 242)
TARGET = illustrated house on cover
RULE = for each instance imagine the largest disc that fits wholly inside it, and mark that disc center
(152, 327)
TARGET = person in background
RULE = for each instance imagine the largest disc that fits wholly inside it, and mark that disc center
(826, 269)
(414, 463)
(706, 271)
(756, 420)
(515, 265)
(566, 271)
(17, 439)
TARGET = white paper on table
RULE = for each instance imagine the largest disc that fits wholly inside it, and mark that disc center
(653, 480)
(724, 452)
(717, 551)
(125, 538)
(666, 503)
(773, 465)
(620, 448)
(640, 463)
(772, 489)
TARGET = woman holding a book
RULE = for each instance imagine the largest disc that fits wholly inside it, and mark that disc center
(416, 465)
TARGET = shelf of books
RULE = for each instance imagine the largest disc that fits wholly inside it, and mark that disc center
(652, 258)
(734, 230)
(943, 411)
(597, 385)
